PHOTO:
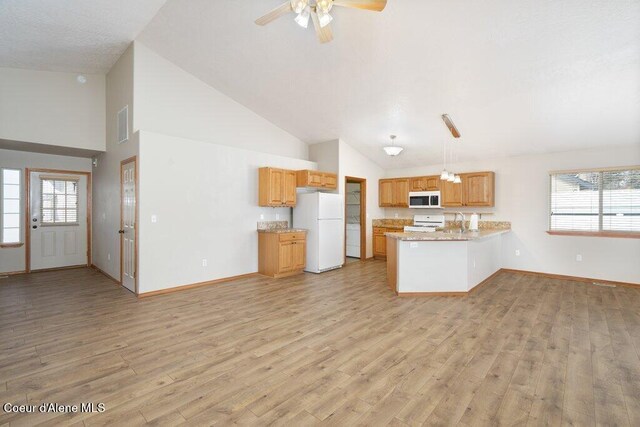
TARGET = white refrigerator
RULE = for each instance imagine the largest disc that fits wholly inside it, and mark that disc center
(323, 215)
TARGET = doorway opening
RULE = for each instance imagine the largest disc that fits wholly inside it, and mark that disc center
(355, 224)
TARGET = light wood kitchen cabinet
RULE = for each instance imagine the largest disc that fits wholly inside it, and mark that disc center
(424, 183)
(281, 254)
(393, 192)
(318, 179)
(276, 187)
(379, 242)
(451, 194)
(476, 189)
(479, 189)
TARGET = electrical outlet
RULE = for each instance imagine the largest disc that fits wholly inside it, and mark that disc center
(413, 245)
(154, 218)
(204, 262)
(579, 258)
(517, 252)
(277, 216)
(108, 257)
(261, 217)
(395, 215)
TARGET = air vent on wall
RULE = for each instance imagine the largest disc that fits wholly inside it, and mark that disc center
(123, 125)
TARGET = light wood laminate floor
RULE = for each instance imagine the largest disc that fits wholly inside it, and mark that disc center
(336, 349)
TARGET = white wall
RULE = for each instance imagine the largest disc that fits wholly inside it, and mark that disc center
(106, 176)
(13, 259)
(173, 102)
(522, 197)
(52, 108)
(339, 157)
(205, 197)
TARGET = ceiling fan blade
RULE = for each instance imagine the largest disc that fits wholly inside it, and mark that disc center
(276, 13)
(325, 34)
(376, 5)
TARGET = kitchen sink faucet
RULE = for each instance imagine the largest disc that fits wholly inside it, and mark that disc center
(462, 225)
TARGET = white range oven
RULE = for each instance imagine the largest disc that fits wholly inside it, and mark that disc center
(424, 199)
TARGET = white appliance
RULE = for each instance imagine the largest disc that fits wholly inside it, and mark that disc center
(322, 214)
(424, 199)
(353, 240)
(426, 223)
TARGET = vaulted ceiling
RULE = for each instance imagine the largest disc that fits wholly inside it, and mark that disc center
(85, 36)
(516, 77)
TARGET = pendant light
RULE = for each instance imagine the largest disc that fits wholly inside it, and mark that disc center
(444, 175)
(392, 150)
(457, 179)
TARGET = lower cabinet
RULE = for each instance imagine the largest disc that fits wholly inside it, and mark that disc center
(380, 240)
(281, 254)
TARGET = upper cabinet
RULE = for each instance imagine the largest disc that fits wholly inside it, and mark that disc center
(317, 179)
(479, 189)
(277, 187)
(424, 183)
(476, 189)
(393, 192)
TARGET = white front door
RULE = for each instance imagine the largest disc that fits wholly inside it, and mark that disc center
(58, 220)
(128, 226)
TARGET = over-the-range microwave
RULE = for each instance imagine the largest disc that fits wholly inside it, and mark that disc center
(424, 199)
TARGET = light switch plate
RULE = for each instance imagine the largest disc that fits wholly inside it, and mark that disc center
(154, 218)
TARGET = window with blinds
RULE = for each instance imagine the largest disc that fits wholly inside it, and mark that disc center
(59, 201)
(596, 201)
(10, 192)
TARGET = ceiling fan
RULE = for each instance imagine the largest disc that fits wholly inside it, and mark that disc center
(318, 11)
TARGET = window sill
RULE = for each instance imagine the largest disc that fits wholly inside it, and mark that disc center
(10, 245)
(621, 234)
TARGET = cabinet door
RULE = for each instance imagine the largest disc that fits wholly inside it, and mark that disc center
(401, 193)
(276, 186)
(386, 192)
(479, 189)
(451, 193)
(432, 183)
(289, 188)
(299, 256)
(330, 181)
(417, 184)
(315, 179)
(285, 256)
(379, 244)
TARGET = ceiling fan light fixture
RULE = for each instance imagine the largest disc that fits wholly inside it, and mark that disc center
(299, 5)
(323, 18)
(324, 5)
(303, 17)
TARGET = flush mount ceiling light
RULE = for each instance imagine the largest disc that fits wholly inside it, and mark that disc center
(318, 10)
(392, 150)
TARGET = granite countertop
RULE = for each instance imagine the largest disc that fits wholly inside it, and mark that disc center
(453, 235)
(283, 230)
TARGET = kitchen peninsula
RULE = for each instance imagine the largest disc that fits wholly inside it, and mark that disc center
(446, 262)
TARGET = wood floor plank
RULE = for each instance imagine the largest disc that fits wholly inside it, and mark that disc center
(332, 349)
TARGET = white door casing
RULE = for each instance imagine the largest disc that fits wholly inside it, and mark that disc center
(128, 226)
(63, 244)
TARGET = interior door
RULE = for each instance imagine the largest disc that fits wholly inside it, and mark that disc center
(128, 224)
(58, 220)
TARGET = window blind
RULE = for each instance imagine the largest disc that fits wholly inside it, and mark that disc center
(605, 200)
(59, 201)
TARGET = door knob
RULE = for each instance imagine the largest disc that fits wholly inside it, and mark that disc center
(34, 227)
(121, 231)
